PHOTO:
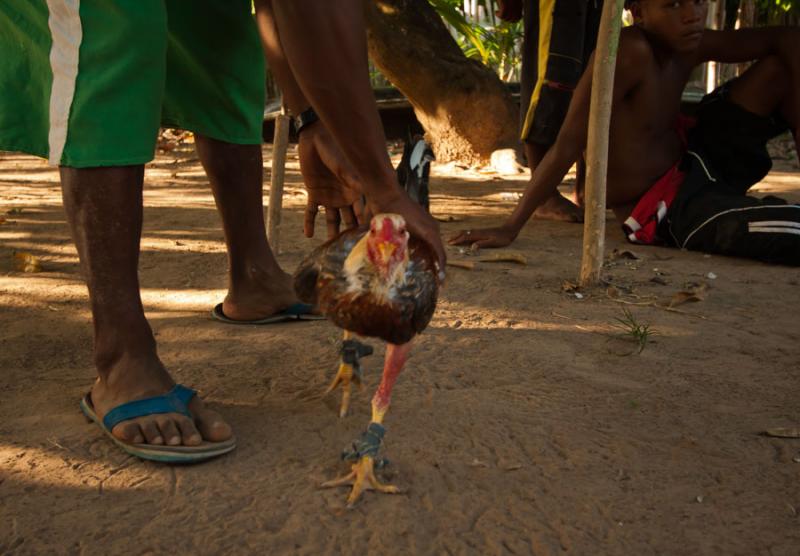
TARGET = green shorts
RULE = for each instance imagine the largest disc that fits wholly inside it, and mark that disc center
(89, 83)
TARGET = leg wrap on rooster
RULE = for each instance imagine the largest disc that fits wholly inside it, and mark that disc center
(364, 451)
(349, 369)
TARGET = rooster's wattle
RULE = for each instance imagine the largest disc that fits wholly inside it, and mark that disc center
(379, 283)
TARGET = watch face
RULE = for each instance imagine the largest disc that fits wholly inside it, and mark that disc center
(304, 119)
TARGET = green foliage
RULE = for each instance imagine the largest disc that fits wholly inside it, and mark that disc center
(455, 18)
(492, 42)
(771, 6)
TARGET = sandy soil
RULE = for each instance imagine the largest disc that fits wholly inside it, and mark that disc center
(520, 425)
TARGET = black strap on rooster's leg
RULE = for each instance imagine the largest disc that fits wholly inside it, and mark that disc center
(352, 351)
(368, 444)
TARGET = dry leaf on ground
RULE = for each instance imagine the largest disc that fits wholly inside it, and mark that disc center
(467, 265)
(27, 262)
(784, 432)
(617, 254)
(569, 287)
(690, 295)
(505, 257)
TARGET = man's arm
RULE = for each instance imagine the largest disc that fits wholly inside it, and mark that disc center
(326, 49)
(328, 177)
(570, 143)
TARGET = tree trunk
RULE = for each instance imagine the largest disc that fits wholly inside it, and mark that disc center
(466, 111)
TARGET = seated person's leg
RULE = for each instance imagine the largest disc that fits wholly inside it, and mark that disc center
(733, 128)
(215, 88)
(766, 89)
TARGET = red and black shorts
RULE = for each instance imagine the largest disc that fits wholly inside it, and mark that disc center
(712, 212)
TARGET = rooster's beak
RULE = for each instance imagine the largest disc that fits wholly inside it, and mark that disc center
(386, 250)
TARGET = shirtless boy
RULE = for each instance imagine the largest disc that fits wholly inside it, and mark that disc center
(673, 181)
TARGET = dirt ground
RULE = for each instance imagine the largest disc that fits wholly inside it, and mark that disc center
(523, 424)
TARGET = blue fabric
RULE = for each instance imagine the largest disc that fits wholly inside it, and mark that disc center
(174, 401)
(299, 309)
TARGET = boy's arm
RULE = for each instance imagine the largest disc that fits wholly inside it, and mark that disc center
(570, 143)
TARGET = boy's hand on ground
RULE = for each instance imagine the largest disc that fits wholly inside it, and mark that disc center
(329, 180)
(485, 237)
(510, 10)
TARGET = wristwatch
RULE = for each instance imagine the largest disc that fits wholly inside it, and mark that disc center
(304, 119)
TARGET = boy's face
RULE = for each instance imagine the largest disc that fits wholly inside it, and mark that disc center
(679, 24)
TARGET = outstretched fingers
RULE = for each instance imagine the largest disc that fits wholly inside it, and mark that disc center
(309, 218)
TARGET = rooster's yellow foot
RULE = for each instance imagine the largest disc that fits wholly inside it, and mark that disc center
(362, 477)
(349, 371)
(362, 474)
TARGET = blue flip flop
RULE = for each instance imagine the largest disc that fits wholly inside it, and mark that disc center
(174, 401)
(298, 311)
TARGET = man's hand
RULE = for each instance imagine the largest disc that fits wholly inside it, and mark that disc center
(486, 237)
(329, 180)
(510, 10)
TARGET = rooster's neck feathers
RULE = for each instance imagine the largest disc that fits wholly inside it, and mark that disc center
(362, 275)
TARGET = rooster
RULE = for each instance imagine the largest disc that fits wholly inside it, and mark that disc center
(378, 283)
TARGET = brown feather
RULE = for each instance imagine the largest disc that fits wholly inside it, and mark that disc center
(320, 279)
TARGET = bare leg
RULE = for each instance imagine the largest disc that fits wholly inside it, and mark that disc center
(104, 210)
(766, 88)
(556, 207)
(362, 475)
(257, 286)
(580, 181)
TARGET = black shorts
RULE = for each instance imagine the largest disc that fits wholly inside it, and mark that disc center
(572, 26)
(727, 154)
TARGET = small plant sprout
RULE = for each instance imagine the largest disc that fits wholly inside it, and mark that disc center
(634, 330)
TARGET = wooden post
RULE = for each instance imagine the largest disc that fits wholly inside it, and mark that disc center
(605, 59)
(280, 144)
(711, 66)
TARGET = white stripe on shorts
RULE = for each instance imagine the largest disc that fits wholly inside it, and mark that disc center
(772, 230)
(773, 223)
(67, 33)
(740, 209)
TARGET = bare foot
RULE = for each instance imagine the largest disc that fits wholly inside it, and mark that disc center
(559, 208)
(134, 378)
(261, 295)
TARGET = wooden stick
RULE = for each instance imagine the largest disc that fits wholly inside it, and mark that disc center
(594, 227)
(280, 144)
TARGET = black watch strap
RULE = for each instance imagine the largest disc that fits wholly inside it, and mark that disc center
(304, 119)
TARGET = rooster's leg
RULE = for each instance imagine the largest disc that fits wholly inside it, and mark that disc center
(349, 368)
(365, 450)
